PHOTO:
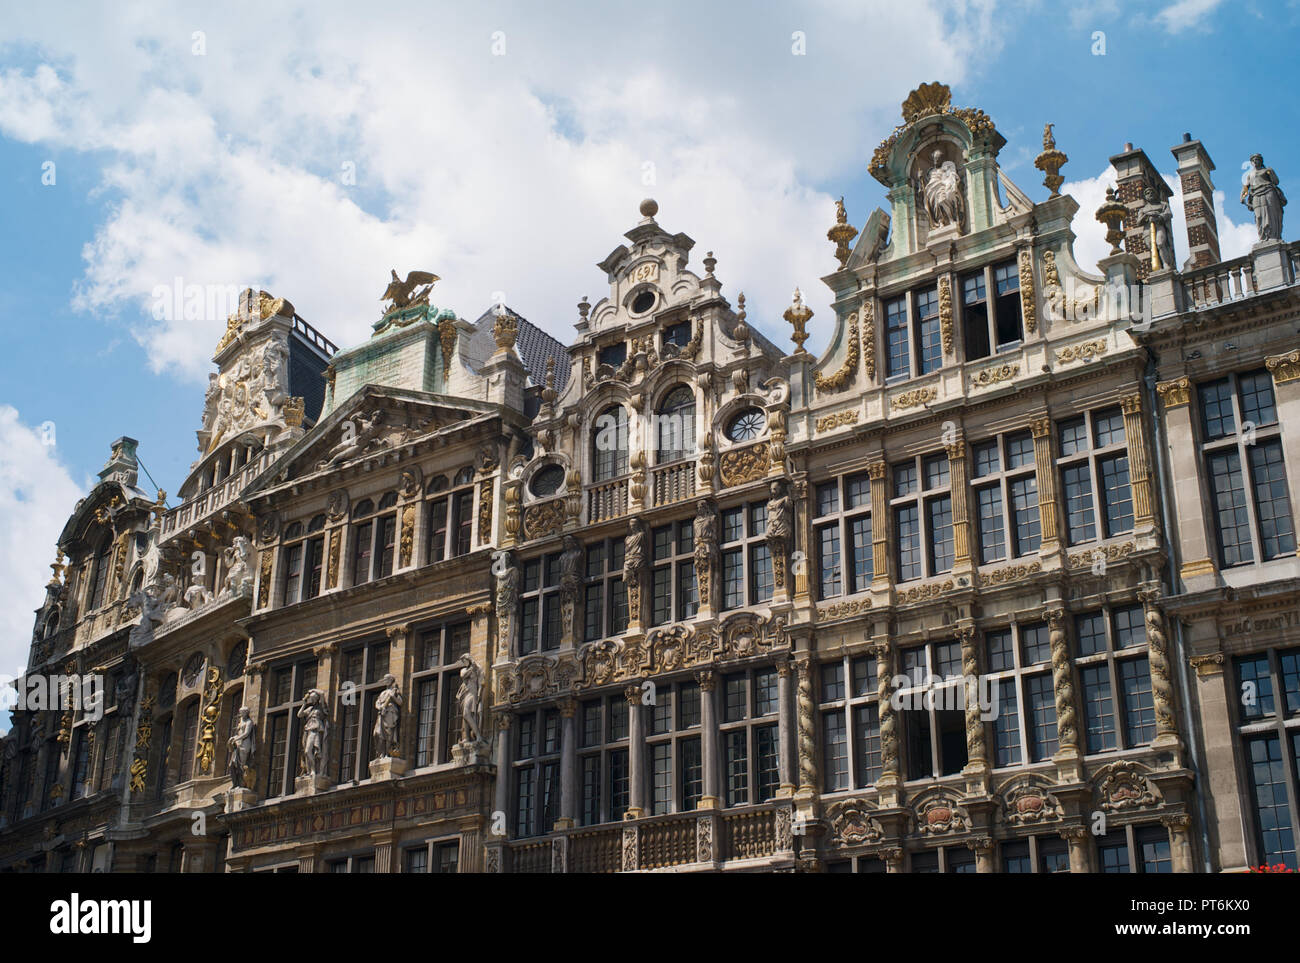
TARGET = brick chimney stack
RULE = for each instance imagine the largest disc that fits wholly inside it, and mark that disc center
(1194, 166)
(1134, 174)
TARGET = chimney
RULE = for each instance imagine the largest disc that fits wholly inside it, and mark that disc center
(1134, 174)
(1194, 166)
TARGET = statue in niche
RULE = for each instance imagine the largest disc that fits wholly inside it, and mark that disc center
(315, 729)
(570, 582)
(242, 745)
(469, 698)
(944, 203)
(1261, 193)
(388, 713)
(1155, 217)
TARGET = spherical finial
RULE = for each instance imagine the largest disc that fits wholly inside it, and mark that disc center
(649, 207)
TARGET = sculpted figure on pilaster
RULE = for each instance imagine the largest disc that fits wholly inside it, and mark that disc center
(315, 730)
(780, 528)
(388, 715)
(706, 551)
(242, 746)
(570, 583)
(634, 567)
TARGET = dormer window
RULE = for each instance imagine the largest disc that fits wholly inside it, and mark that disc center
(678, 334)
(613, 354)
(998, 325)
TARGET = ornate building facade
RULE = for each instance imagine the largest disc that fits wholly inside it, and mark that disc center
(1004, 581)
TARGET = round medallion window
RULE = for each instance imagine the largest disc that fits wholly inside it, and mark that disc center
(547, 481)
(747, 425)
(643, 302)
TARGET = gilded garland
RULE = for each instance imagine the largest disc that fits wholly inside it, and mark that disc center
(844, 374)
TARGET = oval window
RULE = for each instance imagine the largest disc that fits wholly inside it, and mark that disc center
(547, 481)
(643, 302)
(747, 425)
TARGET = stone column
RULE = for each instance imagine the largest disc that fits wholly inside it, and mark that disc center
(976, 752)
(708, 680)
(384, 851)
(635, 753)
(1180, 849)
(890, 780)
(568, 763)
(308, 859)
(1135, 433)
(982, 847)
(1069, 757)
(1162, 686)
(500, 817)
(785, 758)
(806, 734)
(1077, 838)
(1184, 470)
(960, 507)
(879, 526)
(1045, 471)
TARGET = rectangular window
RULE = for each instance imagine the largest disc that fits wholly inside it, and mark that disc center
(1098, 708)
(1269, 781)
(1006, 725)
(897, 357)
(1007, 307)
(1076, 484)
(941, 538)
(907, 531)
(975, 315)
(929, 348)
(992, 530)
(1272, 501)
(1041, 717)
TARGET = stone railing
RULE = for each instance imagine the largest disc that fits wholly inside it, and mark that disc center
(1221, 283)
(606, 500)
(704, 839)
(749, 835)
(673, 483)
(215, 498)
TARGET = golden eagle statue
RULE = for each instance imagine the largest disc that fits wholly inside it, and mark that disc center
(399, 291)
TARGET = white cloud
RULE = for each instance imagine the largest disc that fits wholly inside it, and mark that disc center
(36, 494)
(1185, 14)
(510, 173)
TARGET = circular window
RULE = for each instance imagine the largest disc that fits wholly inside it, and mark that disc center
(547, 481)
(238, 657)
(747, 425)
(643, 302)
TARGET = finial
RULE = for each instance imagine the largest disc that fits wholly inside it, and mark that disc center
(741, 330)
(549, 394)
(1111, 213)
(583, 307)
(505, 329)
(1050, 162)
(798, 314)
(58, 566)
(710, 262)
(841, 233)
(649, 207)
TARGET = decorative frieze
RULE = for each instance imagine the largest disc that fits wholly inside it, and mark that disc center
(923, 593)
(544, 519)
(993, 376)
(914, 398)
(945, 314)
(1011, 573)
(1084, 351)
(745, 464)
(843, 610)
(827, 422)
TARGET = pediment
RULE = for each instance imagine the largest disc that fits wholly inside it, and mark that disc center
(373, 423)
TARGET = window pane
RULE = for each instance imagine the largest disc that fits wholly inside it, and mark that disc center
(1037, 645)
(836, 747)
(1098, 707)
(1077, 486)
(1024, 514)
(863, 560)
(1041, 716)
(1257, 404)
(866, 747)
(941, 538)
(1117, 496)
(1015, 858)
(1153, 850)
(897, 358)
(1272, 502)
(1273, 817)
(1129, 627)
(1000, 653)
(1090, 633)
(1255, 688)
(907, 528)
(1073, 436)
(992, 530)
(929, 347)
(985, 460)
(1139, 705)
(1217, 419)
(1006, 726)
(828, 539)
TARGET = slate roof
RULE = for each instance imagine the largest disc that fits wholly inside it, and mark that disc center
(533, 344)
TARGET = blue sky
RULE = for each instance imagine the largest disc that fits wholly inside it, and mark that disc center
(506, 148)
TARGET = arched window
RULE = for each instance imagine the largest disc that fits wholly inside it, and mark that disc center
(189, 738)
(374, 539)
(303, 561)
(609, 444)
(450, 517)
(675, 426)
(103, 560)
(52, 623)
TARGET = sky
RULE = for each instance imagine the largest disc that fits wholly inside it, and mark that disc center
(308, 149)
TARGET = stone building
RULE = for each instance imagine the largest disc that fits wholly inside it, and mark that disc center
(1003, 581)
